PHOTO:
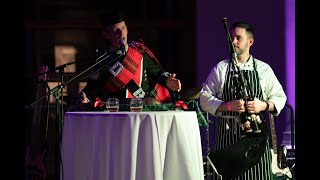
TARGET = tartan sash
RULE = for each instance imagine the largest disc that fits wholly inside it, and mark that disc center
(124, 71)
(128, 73)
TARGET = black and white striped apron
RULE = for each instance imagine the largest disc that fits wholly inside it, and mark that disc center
(228, 131)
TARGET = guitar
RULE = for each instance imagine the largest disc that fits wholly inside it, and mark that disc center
(34, 163)
(278, 165)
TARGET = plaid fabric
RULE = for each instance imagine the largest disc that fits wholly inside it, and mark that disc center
(160, 93)
(131, 63)
(192, 106)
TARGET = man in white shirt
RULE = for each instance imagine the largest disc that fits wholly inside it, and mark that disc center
(238, 92)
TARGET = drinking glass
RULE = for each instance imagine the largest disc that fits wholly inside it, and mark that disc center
(112, 104)
(136, 104)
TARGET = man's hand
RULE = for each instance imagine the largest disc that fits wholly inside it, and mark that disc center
(173, 83)
(255, 106)
(237, 105)
(84, 98)
(84, 102)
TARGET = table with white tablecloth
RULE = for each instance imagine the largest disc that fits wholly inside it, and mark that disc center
(155, 145)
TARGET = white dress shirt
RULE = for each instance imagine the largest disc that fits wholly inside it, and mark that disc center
(212, 88)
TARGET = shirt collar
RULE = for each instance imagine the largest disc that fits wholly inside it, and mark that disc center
(248, 63)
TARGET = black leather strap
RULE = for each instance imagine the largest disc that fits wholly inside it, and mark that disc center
(135, 89)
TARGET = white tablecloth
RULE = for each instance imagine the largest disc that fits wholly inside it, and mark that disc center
(163, 145)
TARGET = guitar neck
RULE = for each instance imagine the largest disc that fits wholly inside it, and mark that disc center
(273, 133)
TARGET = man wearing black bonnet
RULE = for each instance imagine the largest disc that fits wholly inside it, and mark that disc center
(130, 69)
(110, 18)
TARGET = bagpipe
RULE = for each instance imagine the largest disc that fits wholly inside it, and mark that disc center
(239, 157)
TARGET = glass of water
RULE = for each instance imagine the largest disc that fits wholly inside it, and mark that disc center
(112, 104)
(136, 104)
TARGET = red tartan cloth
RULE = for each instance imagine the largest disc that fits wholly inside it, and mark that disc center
(98, 103)
(132, 70)
(163, 94)
(182, 105)
(132, 66)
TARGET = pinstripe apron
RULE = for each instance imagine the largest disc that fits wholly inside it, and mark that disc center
(228, 130)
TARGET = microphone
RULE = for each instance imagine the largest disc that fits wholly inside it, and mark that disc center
(120, 41)
(122, 46)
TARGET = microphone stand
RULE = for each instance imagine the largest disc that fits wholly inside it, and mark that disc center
(59, 120)
(58, 93)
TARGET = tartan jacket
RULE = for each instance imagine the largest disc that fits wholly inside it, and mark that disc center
(152, 73)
